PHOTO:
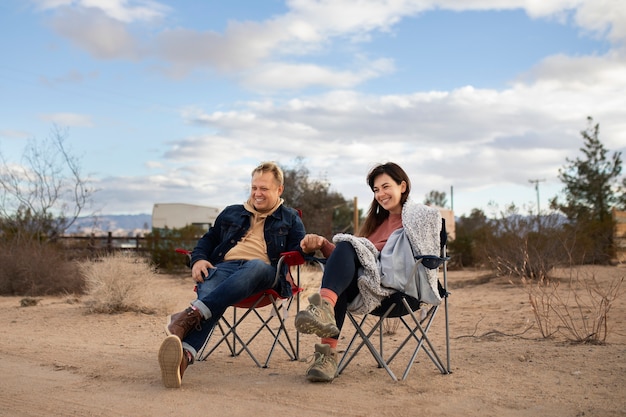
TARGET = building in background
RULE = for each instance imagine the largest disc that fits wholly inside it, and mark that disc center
(179, 215)
(448, 216)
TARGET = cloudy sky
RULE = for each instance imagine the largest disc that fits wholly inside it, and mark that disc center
(176, 101)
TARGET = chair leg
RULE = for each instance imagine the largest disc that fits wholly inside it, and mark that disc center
(228, 331)
(418, 331)
(282, 330)
(236, 337)
(236, 345)
(365, 340)
(231, 332)
(421, 339)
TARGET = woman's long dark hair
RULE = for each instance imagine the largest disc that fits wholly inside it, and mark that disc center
(377, 214)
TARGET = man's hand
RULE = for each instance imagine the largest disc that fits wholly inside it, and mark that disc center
(310, 243)
(200, 270)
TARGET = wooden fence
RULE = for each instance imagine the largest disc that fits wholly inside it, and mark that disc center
(619, 235)
(108, 243)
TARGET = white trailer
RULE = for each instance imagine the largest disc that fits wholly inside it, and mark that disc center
(179, 215)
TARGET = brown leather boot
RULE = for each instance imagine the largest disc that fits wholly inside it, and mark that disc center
(187, 359)
(173, 361)
(180, 324)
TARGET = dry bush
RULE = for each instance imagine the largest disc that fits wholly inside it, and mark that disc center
(310, 279)
(122, 282)
(35, 269)
(579, 309)
(391, 325)
(524, 246)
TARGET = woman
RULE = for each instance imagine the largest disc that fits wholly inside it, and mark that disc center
(359, 271)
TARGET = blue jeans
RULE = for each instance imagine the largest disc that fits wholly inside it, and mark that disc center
(227, 284)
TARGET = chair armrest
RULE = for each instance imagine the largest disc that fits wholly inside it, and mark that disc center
(292, 258)
(187, 253)
(431, 261)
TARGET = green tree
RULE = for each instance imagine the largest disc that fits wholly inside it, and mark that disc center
(436, 198)
(590, 183)
(591, 190)
(162, 245)
(472, 233)
(324, 211)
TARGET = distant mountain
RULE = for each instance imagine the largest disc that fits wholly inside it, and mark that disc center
(118, 225)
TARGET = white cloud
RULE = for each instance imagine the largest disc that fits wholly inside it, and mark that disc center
(473, 138)
(259, 52)
(604, 16)
(467, 137)
(154, 165)
(100, 35)
(239, 48)
(68, 119)
(14, 134)
(126, 11)
(590, 70)
(276, 76)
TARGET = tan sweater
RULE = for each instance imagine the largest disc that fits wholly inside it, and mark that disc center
(252, 244)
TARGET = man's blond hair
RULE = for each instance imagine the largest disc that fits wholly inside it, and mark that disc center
(272, 167)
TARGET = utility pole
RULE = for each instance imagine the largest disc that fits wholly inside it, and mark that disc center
(536, 182)
(452, 198)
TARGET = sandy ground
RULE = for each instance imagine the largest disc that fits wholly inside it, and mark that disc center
(55, 359)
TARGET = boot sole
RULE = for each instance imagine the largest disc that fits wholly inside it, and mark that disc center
(309, 325)
(318, 377)
(170, 357)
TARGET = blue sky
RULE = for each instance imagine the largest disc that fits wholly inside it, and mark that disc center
(168, 101)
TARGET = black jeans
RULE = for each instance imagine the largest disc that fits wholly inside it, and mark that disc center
(340, 276)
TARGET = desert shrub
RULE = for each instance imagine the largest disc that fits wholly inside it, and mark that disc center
(578, 309)
(530, 255)
(310, 279)
(120, 282)
(525, 246)
(391, 325)
(589, 241)
(31, 268)
(162, 244)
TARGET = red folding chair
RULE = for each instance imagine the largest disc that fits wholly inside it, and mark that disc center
(280, 306)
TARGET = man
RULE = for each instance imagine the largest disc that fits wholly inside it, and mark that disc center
(235, 259)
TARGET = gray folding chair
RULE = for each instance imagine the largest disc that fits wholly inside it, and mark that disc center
(405, 309)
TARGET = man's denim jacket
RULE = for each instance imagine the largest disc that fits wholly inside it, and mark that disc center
(283, 232)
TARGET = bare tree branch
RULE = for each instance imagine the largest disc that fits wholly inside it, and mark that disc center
(44, 194)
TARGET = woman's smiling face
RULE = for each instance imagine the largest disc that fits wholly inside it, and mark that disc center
(388, 193)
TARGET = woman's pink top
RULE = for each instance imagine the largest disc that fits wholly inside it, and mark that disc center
(378, 238)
